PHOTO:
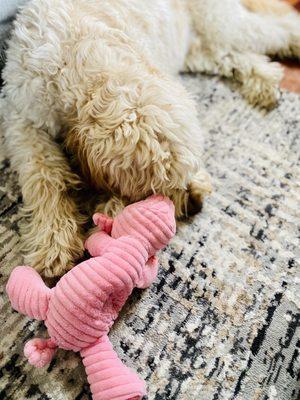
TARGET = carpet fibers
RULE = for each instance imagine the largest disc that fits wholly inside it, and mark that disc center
(222, 319)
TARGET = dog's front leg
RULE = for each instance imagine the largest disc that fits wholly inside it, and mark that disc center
(51, 234)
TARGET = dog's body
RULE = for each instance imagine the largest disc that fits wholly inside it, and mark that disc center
(102, 75)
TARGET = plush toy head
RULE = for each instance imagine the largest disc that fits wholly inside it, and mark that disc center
(152, 221)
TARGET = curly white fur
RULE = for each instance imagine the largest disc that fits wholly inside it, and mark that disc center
(102, 74)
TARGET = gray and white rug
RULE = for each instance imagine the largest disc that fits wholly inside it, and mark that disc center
(222, 319)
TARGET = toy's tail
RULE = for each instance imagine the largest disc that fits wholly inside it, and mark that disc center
(40, 351)
(27, 292)
(109, 378)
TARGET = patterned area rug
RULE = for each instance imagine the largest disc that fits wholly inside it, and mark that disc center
(222, 319)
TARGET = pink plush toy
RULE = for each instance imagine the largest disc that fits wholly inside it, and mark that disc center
(80, 310)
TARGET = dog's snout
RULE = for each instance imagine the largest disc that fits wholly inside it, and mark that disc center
(194, 204)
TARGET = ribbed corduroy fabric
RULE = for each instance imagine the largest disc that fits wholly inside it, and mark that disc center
(27, 292)
(108, 376)
(82, 307)
(87, 300)
(149, 220)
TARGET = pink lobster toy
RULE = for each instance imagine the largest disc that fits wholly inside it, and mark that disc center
(81, 309)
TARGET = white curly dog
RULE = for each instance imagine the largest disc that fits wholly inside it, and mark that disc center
(100, 77)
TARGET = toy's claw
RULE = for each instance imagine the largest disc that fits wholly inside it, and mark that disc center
(149, 273)
(104, 222)
(152, 262)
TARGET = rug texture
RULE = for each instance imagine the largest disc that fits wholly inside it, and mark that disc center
(222, 319)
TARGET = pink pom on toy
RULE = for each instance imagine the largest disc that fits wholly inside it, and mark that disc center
(39, 351)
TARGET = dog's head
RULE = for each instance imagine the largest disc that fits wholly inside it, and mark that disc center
(138, 134)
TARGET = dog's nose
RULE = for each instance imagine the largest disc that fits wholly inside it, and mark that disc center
(194, 204)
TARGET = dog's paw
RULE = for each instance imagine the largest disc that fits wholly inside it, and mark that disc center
(261, 88)
(55, 260)
(291, 24)
(295, 44)
(52, 251)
